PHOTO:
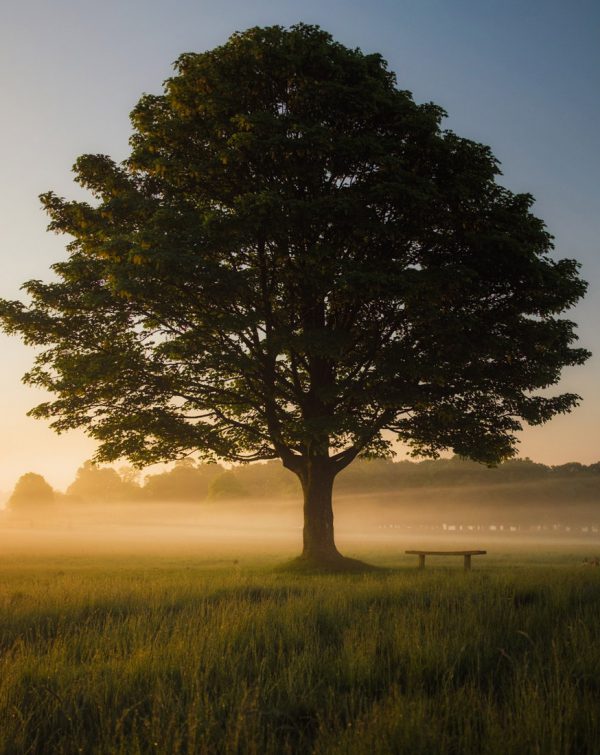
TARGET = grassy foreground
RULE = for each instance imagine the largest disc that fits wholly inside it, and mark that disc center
(163, 655)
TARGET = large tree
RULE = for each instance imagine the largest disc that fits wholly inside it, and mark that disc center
(297, 262)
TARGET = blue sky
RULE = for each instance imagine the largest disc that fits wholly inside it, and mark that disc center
(521, 77)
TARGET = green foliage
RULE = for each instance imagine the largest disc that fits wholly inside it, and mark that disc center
(155, 656)
(295, 258)
(187, 481)
(517, 479)
(31, 492)
(269, 480)
(383, 474)
(101, 484)
(227, 485)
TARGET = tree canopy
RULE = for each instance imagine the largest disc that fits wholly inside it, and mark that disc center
(297, 261)
(31, 492)
(94, 483)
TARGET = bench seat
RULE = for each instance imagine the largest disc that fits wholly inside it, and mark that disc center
(466, 554)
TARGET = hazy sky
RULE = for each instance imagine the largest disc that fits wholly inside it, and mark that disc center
(523, 77)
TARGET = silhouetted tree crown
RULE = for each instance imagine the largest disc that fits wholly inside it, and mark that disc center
(31, 491)
(185, 482)
(295, 259)
(101, 484)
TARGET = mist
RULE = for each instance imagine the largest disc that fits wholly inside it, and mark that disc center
(231, 529)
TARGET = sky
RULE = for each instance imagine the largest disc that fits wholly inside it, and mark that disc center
(523, 78)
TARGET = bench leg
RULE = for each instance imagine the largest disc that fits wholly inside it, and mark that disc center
(421, 562)
(468, 563)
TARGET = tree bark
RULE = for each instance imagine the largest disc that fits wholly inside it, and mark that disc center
(317, 478)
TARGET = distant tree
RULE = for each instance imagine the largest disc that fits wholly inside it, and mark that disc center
(130, 475)
(226, 485)
(570, 468)
(187, 481)
(297, 262)
(101, 484)
(267, 480)
(375, 474)
(31, 492)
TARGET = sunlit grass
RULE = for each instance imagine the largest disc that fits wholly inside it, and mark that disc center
(164, 655)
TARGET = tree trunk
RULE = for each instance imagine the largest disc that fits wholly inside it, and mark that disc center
(317, 485)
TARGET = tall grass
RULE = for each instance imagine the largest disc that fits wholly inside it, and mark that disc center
(160, 656)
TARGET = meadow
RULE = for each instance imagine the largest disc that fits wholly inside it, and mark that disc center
(172, 653)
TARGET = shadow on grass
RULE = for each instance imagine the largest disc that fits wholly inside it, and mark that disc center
(340, 565)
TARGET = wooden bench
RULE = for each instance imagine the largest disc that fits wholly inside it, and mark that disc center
(467, 556)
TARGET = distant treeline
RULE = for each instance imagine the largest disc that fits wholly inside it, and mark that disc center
(194, 482)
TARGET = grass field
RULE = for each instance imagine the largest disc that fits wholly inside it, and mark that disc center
(168, 654)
